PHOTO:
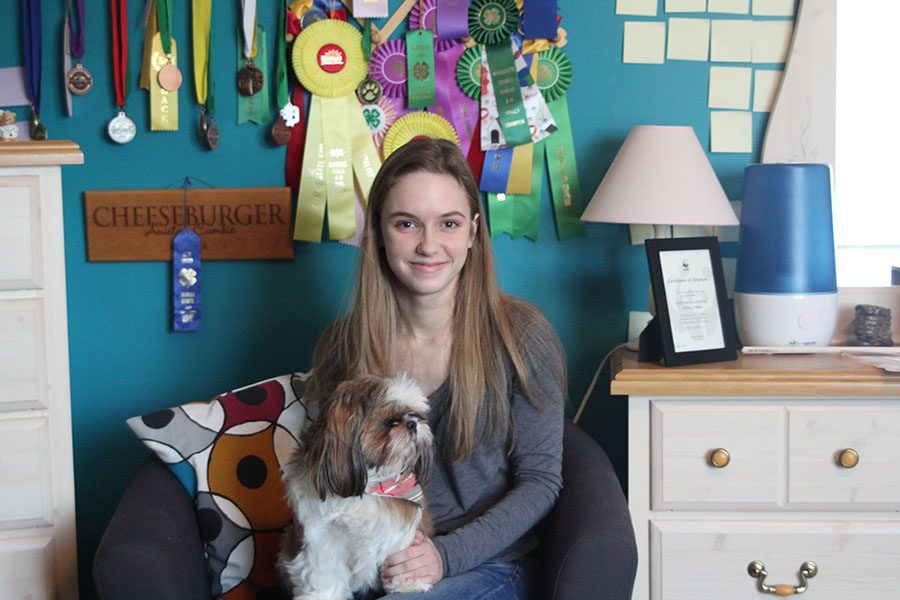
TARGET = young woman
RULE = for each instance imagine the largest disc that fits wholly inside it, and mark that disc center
(427, 302)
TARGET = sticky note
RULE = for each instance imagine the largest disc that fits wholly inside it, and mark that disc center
(731, 131)
(688, 39)
(733, 7)
(644, 42)
(731, 40)
(644, 8)
(685, 6)
(765, 89)
(773, 8)
(729, 87)
(771, 41)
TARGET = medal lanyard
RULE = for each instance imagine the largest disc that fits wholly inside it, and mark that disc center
(118, 10)
(164, 18)
(76, 40)
(281, 93)
(248, 23)
(31, 46)
(202, 24)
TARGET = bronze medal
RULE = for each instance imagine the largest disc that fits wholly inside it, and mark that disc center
(249, 79)
(212, 134)
(281, 133)
(369, 91)
(169, 78)
(79, 80)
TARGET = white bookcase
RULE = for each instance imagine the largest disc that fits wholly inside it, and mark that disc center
(38, 557)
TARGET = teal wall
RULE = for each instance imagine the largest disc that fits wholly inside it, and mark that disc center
(262, 318)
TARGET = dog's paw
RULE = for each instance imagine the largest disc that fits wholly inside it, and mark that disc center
(397, 586)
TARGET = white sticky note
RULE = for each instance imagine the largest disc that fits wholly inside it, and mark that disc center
(731, 131)
(729, 87)
(771, 41)
(729, 233)
(773, 8)
(765, 89)
(729, 270)
(688, 39)
(640, 233)
(644, 8)
(644, 42)
(685, 6)
(731, 7)
(731, 40)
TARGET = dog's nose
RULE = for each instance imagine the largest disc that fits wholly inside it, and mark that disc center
(411, 425)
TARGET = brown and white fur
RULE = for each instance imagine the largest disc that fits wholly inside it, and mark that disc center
(371, 429)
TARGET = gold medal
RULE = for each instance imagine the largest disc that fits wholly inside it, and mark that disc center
(169, 77)
(79, 80)
(249, 79)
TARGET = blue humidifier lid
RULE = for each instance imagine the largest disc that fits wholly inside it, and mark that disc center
(786, 234)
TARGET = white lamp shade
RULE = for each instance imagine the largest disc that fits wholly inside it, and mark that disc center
(661, 176)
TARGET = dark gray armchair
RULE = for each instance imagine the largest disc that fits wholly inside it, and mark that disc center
(152, 549)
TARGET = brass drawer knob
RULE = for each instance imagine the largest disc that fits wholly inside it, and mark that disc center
(848, 458)
(719, 458)
(757, 570)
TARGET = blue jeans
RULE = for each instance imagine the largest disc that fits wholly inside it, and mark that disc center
(516, 580)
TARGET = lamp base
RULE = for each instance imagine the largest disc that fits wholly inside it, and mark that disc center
(786, 319)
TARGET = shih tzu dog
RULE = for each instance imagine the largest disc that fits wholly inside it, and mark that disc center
(353, 485)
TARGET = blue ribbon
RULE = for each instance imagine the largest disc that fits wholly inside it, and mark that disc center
(539, 19)
(31, 48)
(186, 274)
(495, 172)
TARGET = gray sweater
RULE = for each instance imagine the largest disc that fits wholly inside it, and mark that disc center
(484, 507)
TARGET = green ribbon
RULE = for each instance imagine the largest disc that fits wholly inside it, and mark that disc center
(164, 19)
(565, 189)
(254, 109)
(510, 108)
(281, 74)
(420, 68)
(500, 210)
(518, 214)
(366, 39)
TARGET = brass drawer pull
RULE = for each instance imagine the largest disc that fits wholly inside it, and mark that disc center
(848, 458)
(719, 458)
(757, 570)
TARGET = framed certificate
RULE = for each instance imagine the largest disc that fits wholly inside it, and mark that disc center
(695, 324)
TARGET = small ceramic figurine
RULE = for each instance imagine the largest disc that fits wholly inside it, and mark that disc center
(9, 131)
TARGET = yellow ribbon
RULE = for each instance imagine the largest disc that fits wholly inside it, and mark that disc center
(519, 181)
(201, 17)
(163, 104)
(147, 54)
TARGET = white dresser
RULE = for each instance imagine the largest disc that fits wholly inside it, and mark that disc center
(786, 467)
(37, 498)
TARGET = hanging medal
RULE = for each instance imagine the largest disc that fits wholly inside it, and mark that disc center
(161, 73)
(169, 75)
(288, 114)
(31, 48)
(121, 128)
(79, 80)
(249, 77)
(186, 273)
(201, 24)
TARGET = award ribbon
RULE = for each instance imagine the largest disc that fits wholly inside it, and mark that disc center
(518, 214)
(415, 124)
(31, 48)
(452, 19)
(450, 101)
(186, 274)
(492, 21)
(495, 172)
(370, 8)
(564, 184)
(420, 68)
(254, 109)
(539, 19)
(201, 23)
(163, 103)
(508, 94)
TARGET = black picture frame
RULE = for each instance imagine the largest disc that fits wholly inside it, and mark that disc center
(686, 277)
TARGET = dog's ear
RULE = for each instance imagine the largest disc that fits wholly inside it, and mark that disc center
(341, 468)
(423, 463)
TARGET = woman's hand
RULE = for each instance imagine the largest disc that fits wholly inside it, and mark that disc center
(421, 561)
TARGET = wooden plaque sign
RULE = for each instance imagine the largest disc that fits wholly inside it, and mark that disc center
(233, 223)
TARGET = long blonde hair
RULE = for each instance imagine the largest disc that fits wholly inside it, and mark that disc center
(495, 336)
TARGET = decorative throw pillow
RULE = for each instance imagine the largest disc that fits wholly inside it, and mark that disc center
(228, 453)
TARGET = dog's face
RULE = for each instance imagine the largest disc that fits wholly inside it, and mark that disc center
(369, 424)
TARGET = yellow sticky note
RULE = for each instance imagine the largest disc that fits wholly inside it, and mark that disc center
(731, 40)
(733, 7)
(771, 41)
(688, 39)
(773, 8)
(731, 131)
(765, 89)
(644, 42)
(729, 87)
(685, 6)
(643, 8)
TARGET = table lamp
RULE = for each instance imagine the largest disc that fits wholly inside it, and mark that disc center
(661, 176)
(785, 286)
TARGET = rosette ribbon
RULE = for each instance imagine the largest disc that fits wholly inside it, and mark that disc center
(328, 60)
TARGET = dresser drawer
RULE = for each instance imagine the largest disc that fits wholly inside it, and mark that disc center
(700, 559)
(684, 436)
(866, 437)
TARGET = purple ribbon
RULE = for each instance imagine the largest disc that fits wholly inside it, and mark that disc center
(76, 41)
(539, 19)
(449, 101)
(31, 48)
(452, 19)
